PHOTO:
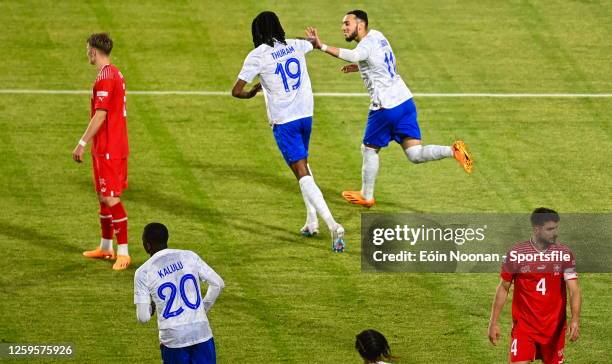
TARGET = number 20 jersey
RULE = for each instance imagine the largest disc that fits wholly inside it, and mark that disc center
(171, 278)
(284, 79)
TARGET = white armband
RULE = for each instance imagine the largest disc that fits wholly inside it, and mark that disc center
(324, 47)
(82, 143)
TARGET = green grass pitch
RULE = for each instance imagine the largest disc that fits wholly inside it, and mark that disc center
(208, 168)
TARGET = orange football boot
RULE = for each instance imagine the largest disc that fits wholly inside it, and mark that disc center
(98, 253)
(462, 156)
(123, 261)
(356, 198)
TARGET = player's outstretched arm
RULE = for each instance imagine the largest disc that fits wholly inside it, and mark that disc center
(349, 55)
(94, 125)
(498, 304)
(575, 304)
(239, 91)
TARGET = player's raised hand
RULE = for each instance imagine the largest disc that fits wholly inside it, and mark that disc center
(494, 333)
(77, 153)
(256, 88)
(350, 68)
(574, 331)
(313, 37)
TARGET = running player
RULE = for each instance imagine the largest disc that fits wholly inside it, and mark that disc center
(170, 282)
(392, 115)
(281, 65)
(108, 131)
(539, 298)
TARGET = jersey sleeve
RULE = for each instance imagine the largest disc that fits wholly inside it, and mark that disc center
(214, 281)
(141, 291)
(361, 53)
(569, 268)
(303, 45)
(104, 91)
(251, 67)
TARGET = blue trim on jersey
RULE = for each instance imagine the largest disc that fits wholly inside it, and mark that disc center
(201, 353)
(396, 124)
(293, 138)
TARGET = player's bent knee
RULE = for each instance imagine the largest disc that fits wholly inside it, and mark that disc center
(109, 201)
(415, 154)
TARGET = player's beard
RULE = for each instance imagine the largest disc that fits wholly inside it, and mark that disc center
(351, 36)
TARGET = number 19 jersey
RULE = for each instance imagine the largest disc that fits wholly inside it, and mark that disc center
(284, 79)
(171, 278)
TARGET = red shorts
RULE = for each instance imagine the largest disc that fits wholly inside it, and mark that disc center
(524, 348)
(110, 176)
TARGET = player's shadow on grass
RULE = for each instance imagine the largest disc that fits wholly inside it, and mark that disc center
(34, 237)
(208, 215)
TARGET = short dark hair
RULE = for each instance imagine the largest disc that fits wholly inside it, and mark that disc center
(266, 28)
(371, 345)
(542, 215)
(156, 234)
(101, 41)
(360, 14)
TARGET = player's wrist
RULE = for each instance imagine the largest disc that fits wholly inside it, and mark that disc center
(82, 143)
(323, 47)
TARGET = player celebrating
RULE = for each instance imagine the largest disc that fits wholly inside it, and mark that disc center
(392, 113)
(169, 280)
(539, 298)
(281, 66)
(108, 129)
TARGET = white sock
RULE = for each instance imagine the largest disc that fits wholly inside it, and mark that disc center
(422, 154)
(311, 212)
(369, 170)
(122, 249)
(106, 244)
(315, 197)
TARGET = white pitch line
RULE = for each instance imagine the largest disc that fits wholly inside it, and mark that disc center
(319, 94)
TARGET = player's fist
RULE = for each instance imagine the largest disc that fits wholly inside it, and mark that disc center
(494, 333)
(350, 68)
(77, 153)
(574, 331)
(256, 88)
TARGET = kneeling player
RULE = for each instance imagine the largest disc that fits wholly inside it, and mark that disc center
(539, 299)
(170, 281)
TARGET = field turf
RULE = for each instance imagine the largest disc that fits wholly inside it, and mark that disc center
(208, 168)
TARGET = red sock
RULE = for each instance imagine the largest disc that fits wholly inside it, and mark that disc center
(120, 223)
(106, 222)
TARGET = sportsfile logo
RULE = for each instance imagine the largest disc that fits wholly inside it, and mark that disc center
(413, 235)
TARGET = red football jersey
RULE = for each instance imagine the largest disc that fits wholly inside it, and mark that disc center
(539, 298)
(111, 140)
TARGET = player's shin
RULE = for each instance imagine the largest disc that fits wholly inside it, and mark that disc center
(421, 154)
(121, 227)
(369, 170)
(106, 225)
(313, 194)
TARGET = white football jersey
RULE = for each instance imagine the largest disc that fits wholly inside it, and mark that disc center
(284, 79)
(171, 278)
(379, 72)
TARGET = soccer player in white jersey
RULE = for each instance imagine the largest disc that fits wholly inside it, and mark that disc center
(170, 281)
(281, 66)
(392, 113)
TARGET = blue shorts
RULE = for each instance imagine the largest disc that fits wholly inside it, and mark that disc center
(396, 123)
(202, 353)
(293, 138)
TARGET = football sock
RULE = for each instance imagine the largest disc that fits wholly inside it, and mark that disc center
(311, 212)
(313, 194)
(122, 249)
(369, 170)
(106, 224)
(422, 154)
(120, 224)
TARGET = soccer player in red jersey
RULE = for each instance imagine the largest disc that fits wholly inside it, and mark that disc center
(108, 131)
(539, 300)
